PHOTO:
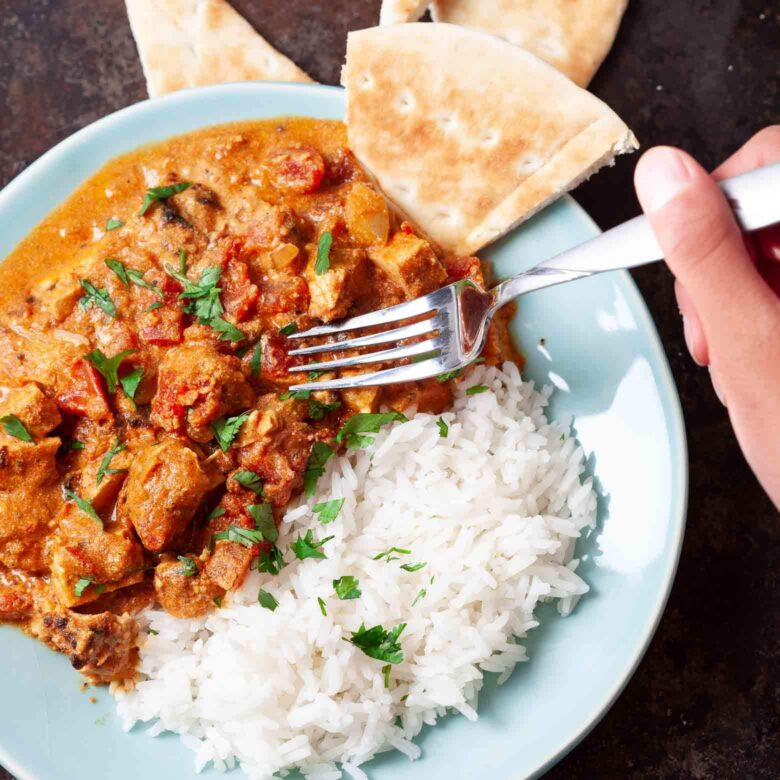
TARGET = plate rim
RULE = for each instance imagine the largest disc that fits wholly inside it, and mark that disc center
(671, 402)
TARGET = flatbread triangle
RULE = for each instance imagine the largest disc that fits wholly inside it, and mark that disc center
(466, 134)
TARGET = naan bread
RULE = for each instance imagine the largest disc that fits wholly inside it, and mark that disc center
(467, 134)
(189, 43)
(573, 35)
(400, 11)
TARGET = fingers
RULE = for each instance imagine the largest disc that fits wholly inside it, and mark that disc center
(705, 250)
(693, 331)
(762, 149)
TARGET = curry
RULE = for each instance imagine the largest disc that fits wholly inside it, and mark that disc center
(149, 441)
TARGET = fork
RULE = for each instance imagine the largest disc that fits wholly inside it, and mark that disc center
(456, 317)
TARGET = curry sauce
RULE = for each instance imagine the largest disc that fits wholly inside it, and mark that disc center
(148, 440)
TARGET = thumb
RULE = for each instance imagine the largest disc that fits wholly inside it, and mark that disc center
(704, 248)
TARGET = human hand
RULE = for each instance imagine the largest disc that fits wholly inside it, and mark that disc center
(727, 287)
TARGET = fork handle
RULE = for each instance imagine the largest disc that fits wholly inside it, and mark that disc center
(754, 197)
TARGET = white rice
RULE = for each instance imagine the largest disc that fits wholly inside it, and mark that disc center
(494, 509)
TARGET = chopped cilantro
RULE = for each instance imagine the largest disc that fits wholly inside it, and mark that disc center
(119, 269)
(267, 600)
(444, 429)
(380, 644)
(247, 537)
(218, 601)
(449, 375)
(318, 409)
(203, 297)
(249, 479)
(288, 329)
(388, 554)
(153, 194)
(84, 505)
(314, 375)
(315, 467)
(113, 224)
(153, 632)
(323, 253)
(421, 594)
(96, 296)
(218, 511)
(263, 516)
(73, 444)
(296, 395)
(347, 588)
(477, 389)
(308, 546)
(256, 361)
(153, 306)
(128, 275)
(270, 561)
(226, 429)
(323, 609)
(84, 582)
(182, 261)
(104, 469)
(108, 367)
(414, 566)
(189, 567)
(328, 511)
(386, 674)
(227, 331)
(13, 426)
(362, 423)
(131, 381)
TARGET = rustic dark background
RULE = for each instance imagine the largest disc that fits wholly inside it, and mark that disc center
(701, 74)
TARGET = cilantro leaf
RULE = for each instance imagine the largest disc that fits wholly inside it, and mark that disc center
(83, 583)
(190, 568)
(380, 644)
(476, 389)
(203, 297)
(108, 367)
(249, 479)
(288, 329)
(444, 429)
(96, 296)
(104, 469)
(263, 516)
(315, 467)
(328, 510)
(449, 375)
(362, 423)
(153, 194)
(227, 331)
(323, 253)
(308, 546)
(13, 426)
(421, 594)
(131, 381)
(84, 505)
(153, 306)
(114, 223)
(388, 554)
(226, 429)
(182, 261)
(323, 609)
(270, 561)
(318, 409)
(386, 674)
(267, 600)
(119, 269)
(218, 601)
(296, 395)
(73, 444)
(347, 588)
(247, 537)
(256, 361)
(128, 275)
(414, 566)
(218, 511)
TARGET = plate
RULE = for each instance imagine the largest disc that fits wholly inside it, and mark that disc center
(593, 340)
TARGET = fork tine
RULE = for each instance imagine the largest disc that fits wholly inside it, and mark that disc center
(386, 337)
(397, 353)
(401, 311)
(408, 373)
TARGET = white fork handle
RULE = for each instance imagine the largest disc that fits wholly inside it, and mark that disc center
(753, 196)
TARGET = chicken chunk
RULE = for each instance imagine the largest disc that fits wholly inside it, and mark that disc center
(184, 595)
(333, 291)
(411, 263)
(197, 385)
(164, 488)
(14, 604)
(38, 413)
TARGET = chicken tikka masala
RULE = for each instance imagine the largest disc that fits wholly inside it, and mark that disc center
(148, 439)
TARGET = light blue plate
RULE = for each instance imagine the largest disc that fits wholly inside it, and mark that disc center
(601, 350)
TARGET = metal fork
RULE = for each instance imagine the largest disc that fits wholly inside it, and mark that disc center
(457, 316)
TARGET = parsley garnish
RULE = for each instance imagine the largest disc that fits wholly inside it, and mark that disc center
(386, 675)
(317, 409)
(218, 601)
(270, 561)
(218, 511)
(323, 253)
(388, 554)
(131, 381)
(104, 469)
(263, 516)
(328, 510)
(308, 546)
(182, 261)
(414, 566)
(450, 375)
(288, 329)
(153, 194)
(267, 600)
(362, 423)
(347, 588)
(380, 644)
(227, 331)
(128, 275)
(189, 567)
(257, 357)
(73, 444)
(13, 426)
(84, 505)
(248, 537)
(113, 224)
(421, 594)
(315, 467)
(153, 306)
(296, 395)
(476, 389)
(444, 429)
(321, 602)
(226, 429)
(153, 632)
(83, 583)
(203, 297)
(108, 367)
(96, 296)
(249, 479)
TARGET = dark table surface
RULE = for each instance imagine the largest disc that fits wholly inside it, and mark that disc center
(700, 74)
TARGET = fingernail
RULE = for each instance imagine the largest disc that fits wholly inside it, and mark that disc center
(661, 176)
(689, 340)
(717, 388)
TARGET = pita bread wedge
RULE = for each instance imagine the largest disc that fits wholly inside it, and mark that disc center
(229, 49)
(469, 146)
(572, 35)
(163, 33)
(401, 11)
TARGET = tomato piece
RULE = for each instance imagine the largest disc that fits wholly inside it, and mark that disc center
(295, 168)
(160, 321)
(283, 294)
(463, 268)
(84, 395)
(276, 361)
(239, 295)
